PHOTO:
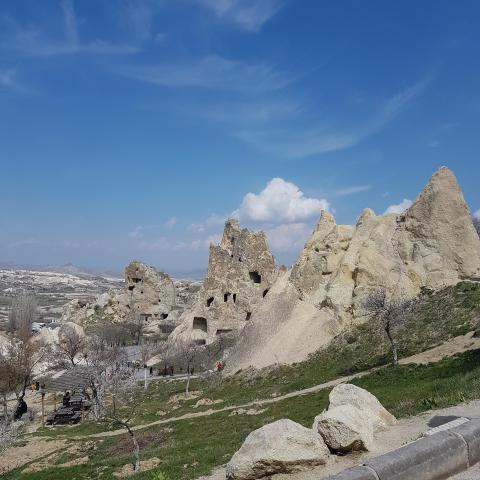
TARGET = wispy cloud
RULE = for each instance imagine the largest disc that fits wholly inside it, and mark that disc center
(247, 14)
(137, 232)
(400, 207)
(292, 143)
(29, 40)
(8, 79)
(212, 72)
(343, 192)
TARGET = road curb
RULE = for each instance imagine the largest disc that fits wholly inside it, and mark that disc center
(434, 457)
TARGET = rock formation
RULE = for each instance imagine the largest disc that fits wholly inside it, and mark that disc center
(148, 296)
(353, 417)
(241, 271)
(433, 244)
(279, 447)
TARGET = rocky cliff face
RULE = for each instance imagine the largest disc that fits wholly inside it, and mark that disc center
(241, 271)
(433, 244)
(148, 295)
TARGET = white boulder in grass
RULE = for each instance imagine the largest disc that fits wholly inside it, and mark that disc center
(279, 447)
(368, 404)
(353, 417)
(344, 429)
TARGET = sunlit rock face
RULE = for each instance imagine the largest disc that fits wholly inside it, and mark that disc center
(433, 244)
(241, 271)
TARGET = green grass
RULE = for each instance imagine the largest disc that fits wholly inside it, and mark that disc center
(190, 448)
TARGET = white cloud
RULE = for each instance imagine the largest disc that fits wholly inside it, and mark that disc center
(293, 143)
(280, 202)
(289, 236)
(477, 214)
(170, 223)
(211, 72)
(248, 14)
(30, 40)
(137, 232)
(400, 207)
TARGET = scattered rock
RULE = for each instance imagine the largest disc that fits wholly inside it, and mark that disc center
(280, 447)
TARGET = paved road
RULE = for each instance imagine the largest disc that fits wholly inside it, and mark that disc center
(470, 474)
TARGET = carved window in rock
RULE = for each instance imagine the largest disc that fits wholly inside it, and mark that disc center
(264, 294)
(209, 301)
(248, 316)
(226, 296)
(223, 331)
(234, 298)
(255, 277)
(164, 316)
(200, 323)
(200, 341)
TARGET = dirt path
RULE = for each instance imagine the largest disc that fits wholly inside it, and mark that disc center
(453, 346)
(406, 430)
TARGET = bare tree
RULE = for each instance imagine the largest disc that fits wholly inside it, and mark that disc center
(186, 352)
(19, 360)
(390, 314)
(70, 345)
(22, 314)
(115, 390)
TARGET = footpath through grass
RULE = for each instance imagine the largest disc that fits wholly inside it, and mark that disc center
(190, 448)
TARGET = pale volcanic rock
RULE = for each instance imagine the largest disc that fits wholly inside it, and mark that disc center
(433, 244)
(241, 271)
(148, 294)
(279, 447)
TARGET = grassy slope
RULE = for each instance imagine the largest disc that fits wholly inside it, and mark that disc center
(192, 447)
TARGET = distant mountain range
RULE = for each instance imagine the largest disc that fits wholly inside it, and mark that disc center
(68, 268)
(79, 271)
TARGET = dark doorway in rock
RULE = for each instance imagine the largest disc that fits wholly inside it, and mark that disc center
(248, 316)
(225, 296)
(131, 287)
(255, 277)
(200, 341)
(234, 298)
(209, 301)
(200, 323)
(223, 331)
(164, 316)
(264, 293)
(168, 328)
(136, 280)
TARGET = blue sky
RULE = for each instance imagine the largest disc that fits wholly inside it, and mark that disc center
(132, 129)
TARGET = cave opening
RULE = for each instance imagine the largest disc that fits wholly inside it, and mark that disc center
(255, 277)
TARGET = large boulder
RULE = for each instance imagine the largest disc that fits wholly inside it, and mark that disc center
(344, 429)
(365, 402)
(280, 447)
(354, 415)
